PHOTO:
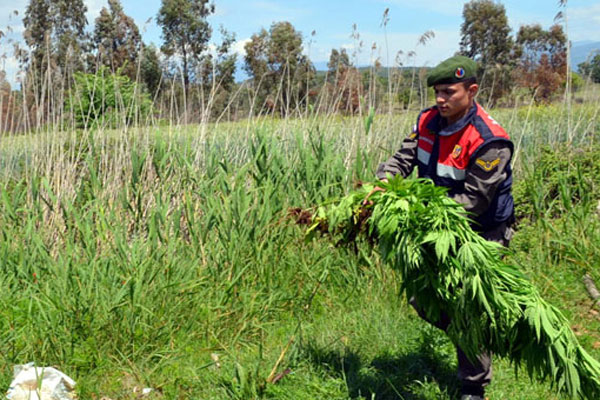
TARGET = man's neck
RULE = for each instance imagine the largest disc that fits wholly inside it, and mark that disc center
(458, 117)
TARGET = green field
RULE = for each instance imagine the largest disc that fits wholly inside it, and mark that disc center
(165, 257)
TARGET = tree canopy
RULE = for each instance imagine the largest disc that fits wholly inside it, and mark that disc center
(55, 32)
(485, 37)
(117, 39)
(276, 64)
(542, 56)
(591, 68)
(185, 31)
(486, 33)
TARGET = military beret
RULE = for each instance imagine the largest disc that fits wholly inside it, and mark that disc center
(453, 70)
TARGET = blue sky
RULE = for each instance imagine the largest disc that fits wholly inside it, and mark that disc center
(332, 22)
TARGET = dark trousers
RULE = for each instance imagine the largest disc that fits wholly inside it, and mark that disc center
(474, 375)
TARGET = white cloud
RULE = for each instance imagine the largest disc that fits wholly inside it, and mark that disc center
(220, 11)
(12, 26)
(238, 47)
(583, 22)
(451, 8)
(8, 18)
(10, 64)
(267, 12)
(93, 9)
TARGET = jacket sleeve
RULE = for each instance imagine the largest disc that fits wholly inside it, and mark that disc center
(403, 161)
(483, 177)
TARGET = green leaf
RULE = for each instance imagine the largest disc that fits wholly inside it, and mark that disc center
(427, 238)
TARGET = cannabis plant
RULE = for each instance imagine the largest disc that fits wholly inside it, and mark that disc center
(449, 268)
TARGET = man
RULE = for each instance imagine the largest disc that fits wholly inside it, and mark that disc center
(458, 145)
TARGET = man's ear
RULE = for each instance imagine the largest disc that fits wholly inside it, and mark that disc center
(473, 89)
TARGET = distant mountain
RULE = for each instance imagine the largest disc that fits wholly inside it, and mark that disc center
(582, 42)
(321, 67)
(580, 51)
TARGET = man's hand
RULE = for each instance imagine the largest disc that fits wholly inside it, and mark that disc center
(366, 201)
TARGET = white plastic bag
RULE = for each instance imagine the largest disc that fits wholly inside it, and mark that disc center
(40, 383)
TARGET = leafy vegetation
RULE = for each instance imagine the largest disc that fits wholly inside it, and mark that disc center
(117, 40)
(55, 33)
(281, 74)
(165, 257)
(450, 269)
(185, 31)
(138, 251)
(107, 99)
(591, 68)
(557, 181)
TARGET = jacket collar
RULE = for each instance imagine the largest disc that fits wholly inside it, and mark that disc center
(438, 123)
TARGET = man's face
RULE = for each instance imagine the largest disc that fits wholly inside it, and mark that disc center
(454, 99)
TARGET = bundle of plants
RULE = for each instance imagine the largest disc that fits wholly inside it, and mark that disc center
(449, 268)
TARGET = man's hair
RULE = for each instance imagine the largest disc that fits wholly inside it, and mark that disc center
(468, 82)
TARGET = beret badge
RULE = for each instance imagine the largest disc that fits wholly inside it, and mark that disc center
(459, 73)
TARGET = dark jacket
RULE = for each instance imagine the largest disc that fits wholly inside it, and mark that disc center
(471, 157)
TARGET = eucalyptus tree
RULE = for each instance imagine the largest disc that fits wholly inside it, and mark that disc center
(345, 81)
(117, 40)
(338, 62)
(281, 73)
(58, 47)
(591, 68)
(485, 37)
(55, 33)
(216, 76)
(185, 32)
(485, 33)
(150, 68)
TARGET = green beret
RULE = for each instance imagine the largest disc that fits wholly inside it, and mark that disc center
(453, 70)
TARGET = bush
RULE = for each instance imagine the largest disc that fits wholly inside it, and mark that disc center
(107, 99)
(577, 81)
(561, 178)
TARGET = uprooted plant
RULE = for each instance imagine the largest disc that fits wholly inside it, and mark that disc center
(448, 267)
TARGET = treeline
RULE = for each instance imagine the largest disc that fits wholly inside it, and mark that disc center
(106, 74)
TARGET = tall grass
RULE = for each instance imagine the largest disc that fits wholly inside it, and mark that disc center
(162, 254)
(143, 250)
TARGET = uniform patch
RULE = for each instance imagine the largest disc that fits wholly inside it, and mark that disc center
(459, 73)
(487, 166)
(456, 152)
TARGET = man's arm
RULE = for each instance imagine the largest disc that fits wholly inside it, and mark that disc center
(484, 175)
(403, 161)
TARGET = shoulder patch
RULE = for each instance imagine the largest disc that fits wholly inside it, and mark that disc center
(456, 151)
(487, 166)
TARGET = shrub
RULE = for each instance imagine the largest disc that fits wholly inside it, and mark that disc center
(106, 99)
(559, 179)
